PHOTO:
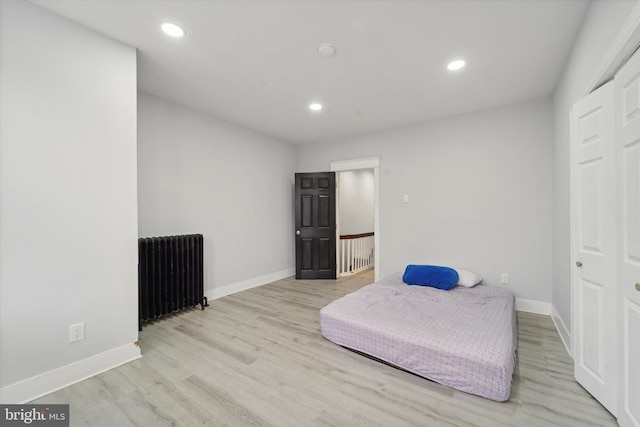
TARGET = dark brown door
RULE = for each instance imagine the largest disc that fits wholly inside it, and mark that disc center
(316, 225)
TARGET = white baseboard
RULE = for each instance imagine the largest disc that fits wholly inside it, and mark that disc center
(43, 384)
(223, 291)
(533, 306)
(565, 336)
(539, 307)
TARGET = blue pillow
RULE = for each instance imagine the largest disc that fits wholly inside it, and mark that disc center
(430, 275)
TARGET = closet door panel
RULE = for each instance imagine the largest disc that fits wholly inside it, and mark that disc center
(628, 210)
(594, 245)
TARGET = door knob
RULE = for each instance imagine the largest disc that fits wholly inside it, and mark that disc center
(638, 286)
(578, 263)
(297, 232)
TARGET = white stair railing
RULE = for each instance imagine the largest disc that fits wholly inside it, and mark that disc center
(356, 253)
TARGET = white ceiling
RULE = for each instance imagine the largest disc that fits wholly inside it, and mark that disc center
(256, 63)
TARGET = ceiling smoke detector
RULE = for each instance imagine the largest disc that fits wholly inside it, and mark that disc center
(326, 49)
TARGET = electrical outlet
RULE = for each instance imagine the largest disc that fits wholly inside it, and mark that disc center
(76, 332)
(504, 278)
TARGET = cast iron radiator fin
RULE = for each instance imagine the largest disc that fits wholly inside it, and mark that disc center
(170, 275)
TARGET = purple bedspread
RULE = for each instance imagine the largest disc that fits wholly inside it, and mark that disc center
(464, 338)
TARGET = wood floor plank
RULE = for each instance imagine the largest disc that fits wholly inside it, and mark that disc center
(258, 358)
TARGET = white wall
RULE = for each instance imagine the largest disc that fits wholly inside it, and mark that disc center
(480, 193)
(602, 23)
(68, 216)
(199, 174)
(356, 201)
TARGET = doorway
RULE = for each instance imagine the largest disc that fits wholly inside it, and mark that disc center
(371, 164)
(355, 221)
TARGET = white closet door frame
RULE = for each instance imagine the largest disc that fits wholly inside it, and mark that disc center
(626, 41)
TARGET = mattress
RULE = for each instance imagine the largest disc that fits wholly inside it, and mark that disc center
(463, 338)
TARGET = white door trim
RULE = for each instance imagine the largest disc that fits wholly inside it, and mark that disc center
(366, 163)
(626, 42)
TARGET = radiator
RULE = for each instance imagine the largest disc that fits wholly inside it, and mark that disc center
(170, 275)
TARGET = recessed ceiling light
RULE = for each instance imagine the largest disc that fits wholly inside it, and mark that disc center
(456, 65)
(315, 106)
(172, 29)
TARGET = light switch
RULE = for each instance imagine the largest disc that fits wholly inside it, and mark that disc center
(405, 198)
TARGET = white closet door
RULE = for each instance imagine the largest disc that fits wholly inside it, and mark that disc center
(628, 185)
(594, 245)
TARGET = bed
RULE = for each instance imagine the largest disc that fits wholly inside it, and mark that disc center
(463, 338)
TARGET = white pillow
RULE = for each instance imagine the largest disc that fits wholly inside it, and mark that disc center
(467, 278)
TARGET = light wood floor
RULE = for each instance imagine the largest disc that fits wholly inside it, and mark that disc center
(258, 358)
